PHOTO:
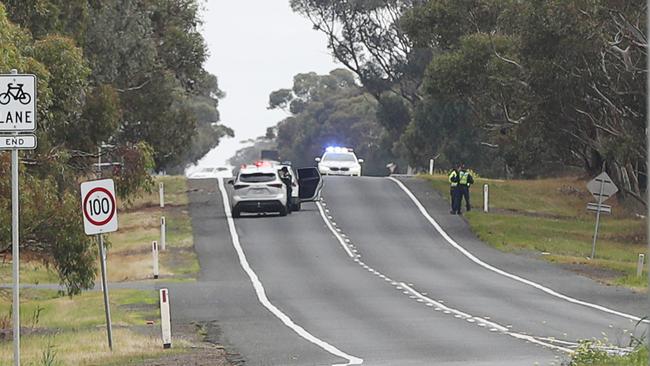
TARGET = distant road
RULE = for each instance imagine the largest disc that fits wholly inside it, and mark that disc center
(366, 278)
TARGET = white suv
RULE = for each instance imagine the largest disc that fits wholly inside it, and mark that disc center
(258, 188)
(339, 161)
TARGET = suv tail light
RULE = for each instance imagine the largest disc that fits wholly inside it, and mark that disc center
(240, 186)
(276, 185)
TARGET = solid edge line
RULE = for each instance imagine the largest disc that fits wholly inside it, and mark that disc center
(336, 234)
(476, 260)
(261, 293)
(492, 324)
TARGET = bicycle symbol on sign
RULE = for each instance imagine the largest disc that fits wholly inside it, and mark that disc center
(17, 93)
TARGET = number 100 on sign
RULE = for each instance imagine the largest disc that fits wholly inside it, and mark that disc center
(99, 208)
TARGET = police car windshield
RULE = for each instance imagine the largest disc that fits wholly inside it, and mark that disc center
(338, 157)
(257, 177)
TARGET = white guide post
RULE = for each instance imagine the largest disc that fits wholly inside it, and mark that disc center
(165, 319)
(163, 233)
(161, 193)
(486, 198)
(154, 251)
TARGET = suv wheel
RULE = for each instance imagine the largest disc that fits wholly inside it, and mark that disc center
(283, 211)
(236, 213)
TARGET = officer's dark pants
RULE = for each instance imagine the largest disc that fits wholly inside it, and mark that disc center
(455, 199)
(289, 199)
(463, 193)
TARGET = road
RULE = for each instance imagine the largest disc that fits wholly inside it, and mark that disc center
(366, 278)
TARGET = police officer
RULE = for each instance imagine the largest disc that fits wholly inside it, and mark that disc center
(465, 180)
(285, 177)
(453, 191)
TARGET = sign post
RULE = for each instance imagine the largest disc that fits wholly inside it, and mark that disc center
(99, 211)
(602, 188)
(17, 114)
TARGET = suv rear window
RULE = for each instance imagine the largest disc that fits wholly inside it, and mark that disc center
(257, 177)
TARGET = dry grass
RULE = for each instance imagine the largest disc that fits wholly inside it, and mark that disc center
(84, 347)
(548, 218)
(130, 256)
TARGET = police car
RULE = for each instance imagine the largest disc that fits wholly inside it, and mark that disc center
(258, 188)
(339, 161)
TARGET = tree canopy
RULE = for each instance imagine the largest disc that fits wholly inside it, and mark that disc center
(329, 110)
(516, 89)
(126, 75)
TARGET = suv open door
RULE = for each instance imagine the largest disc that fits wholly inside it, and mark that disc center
(310, 183)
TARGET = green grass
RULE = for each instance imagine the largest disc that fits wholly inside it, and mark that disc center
(49, 309)
(75, 325)
(548, 218)
(586, 355)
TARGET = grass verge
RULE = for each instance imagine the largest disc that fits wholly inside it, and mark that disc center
(547, 218)
(62, 330)
(129, 257)
(587, 355)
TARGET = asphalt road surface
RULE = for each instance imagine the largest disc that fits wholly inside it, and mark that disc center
(365, 278)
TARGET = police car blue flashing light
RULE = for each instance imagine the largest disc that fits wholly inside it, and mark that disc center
(337, 149)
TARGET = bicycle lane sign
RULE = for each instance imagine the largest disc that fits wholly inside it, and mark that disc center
(17, 103)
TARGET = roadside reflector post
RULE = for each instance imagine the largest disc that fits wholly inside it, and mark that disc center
(165, 319)
(639, 266)
(430, 166)
(154, 251)
(161, 192)
(163, 236)
(486, 198)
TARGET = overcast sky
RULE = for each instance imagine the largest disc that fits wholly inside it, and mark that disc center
(257, 47)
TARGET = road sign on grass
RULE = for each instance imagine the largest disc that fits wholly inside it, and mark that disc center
(99, 206)
(602, 187)
(17, 103)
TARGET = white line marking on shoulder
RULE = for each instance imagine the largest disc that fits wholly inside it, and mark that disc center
(483, 322)
(261, 292)
(336, 233)
(476, 260)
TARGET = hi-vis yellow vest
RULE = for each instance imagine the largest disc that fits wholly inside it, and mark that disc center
(453, 175)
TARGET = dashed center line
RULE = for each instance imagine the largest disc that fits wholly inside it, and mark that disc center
(408, 290)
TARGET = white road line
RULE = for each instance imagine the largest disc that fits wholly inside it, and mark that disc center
(474, 259)
(439, 305)
(261, 293)
(484, 322)
(336, 233)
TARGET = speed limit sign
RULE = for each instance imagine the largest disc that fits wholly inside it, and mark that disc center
(98, 206)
